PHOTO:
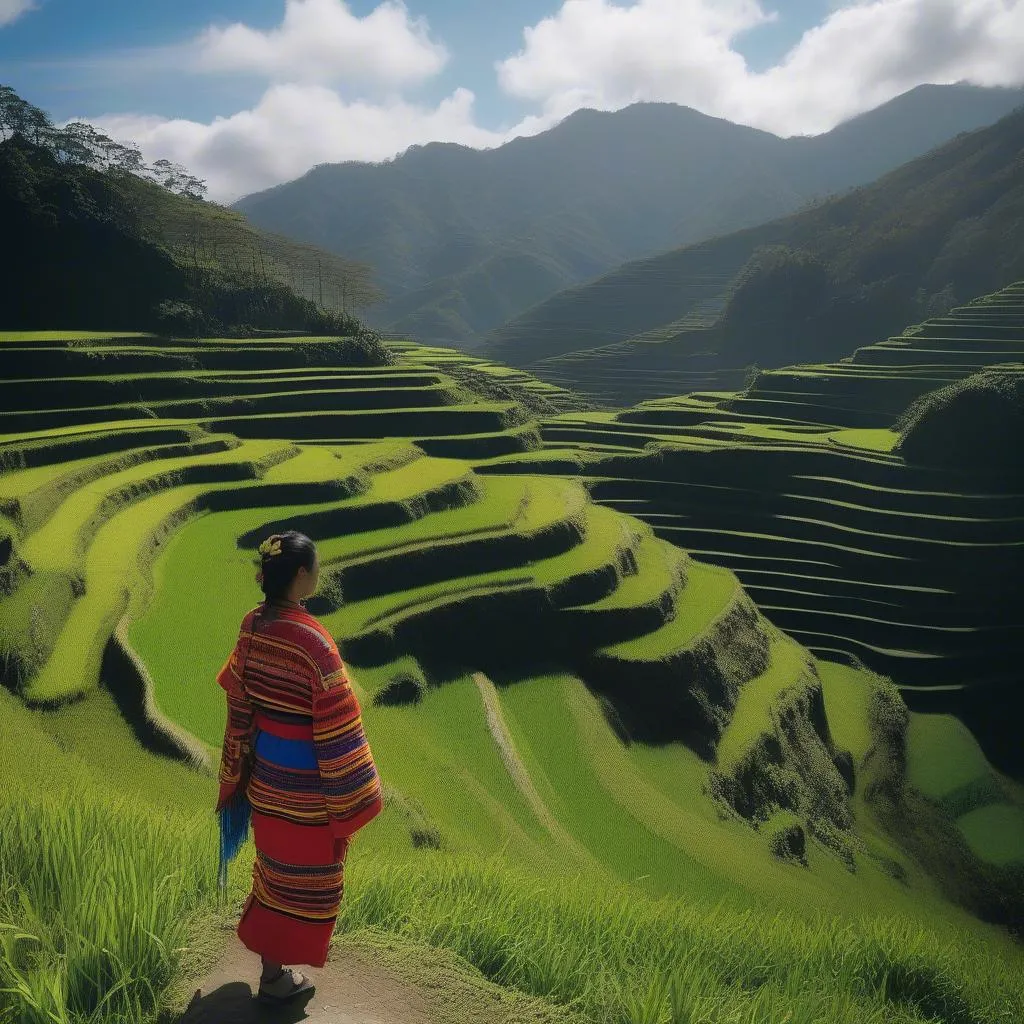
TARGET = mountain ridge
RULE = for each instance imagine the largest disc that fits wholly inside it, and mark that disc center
(921, 239)
(598, 189)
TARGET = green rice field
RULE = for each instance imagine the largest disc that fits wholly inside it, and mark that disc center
(716, 813)
(794, 485)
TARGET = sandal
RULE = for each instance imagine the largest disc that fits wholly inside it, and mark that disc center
(287, 984)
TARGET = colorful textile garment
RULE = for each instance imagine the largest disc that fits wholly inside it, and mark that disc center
(313, 782)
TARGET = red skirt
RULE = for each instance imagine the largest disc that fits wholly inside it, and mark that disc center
(298, 883)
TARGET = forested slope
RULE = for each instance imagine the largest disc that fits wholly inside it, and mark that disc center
(809, 287)
(103, 241)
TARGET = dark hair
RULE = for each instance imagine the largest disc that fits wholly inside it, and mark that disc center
(277, 570)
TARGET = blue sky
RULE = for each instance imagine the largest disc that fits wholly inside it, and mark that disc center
(62, 55)
(248, 94)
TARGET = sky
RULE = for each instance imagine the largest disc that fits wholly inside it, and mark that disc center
(250, 94)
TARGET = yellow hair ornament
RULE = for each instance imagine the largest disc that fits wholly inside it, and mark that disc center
(271, 546)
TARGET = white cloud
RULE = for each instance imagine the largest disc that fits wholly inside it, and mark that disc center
(295, 127)
(12, 9)
(592, 52)
(595, 53)
(323, 41)
(607, 55)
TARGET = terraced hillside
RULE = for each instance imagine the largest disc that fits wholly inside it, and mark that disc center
(794, 486)
(922, 239)
(139, 475)
(664, 290)
(543, 678)
(663, 362)
(101, 465)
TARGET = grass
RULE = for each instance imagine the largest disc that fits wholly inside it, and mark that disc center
(611, 873)
(604, 534)
(20, 337)
(752, 714)
(879, 517)
(344, 399)
(74, 663)
(881, 440)
(17, 484)
(203, 550)
(659, 567)
(102, 880)
(846, 706)
(709, 593)
(198, 550)
(995, 833)
(505, 507)
(608, 952)
(942, 755)
(60, 542)
(945, 762)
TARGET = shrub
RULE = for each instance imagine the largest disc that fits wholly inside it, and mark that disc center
(359, 349)
(785, 835)
(977, 422)
(180, 318)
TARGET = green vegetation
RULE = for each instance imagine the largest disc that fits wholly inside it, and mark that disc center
(118, 961)
(806, 288)
(171, 261)
(688, 784)
(462, 240)
(977, 420)
(102, 872)
(944, 763)
(799, 485)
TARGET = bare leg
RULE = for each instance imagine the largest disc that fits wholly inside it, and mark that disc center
(271, 969)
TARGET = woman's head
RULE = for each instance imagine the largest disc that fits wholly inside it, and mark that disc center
(289, 566)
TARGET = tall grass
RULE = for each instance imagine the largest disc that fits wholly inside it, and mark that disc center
(96, 903)
(621, 959)
(99, 899)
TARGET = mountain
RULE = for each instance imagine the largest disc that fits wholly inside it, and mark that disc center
(461, 240)
(808, 287)
(873, 143)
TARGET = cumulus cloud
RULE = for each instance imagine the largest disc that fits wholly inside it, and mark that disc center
(323, 41)
(293, 128)
(866, 54)
(607, 55)
(300, 120)
(589, 53)
(11, 9)
(595, 53)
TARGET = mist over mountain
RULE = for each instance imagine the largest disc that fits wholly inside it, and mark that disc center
(814, 285)
(462, 240)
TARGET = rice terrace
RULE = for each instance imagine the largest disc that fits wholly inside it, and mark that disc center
(695, 705)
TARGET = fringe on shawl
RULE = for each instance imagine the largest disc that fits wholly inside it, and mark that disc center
(234, 830)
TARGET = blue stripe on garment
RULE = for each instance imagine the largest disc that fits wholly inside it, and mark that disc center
(287, 753)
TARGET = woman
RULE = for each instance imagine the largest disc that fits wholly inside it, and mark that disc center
(294, 748)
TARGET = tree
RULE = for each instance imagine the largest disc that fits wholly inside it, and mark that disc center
(19, 117)
(192, 187)
(79, 181)
(128, 160)
(70, 144)
(168, 174)
(177, 179)
(80, 142)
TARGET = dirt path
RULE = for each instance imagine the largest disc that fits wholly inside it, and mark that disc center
(365, 982)
(350, 989)
(371, 977)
